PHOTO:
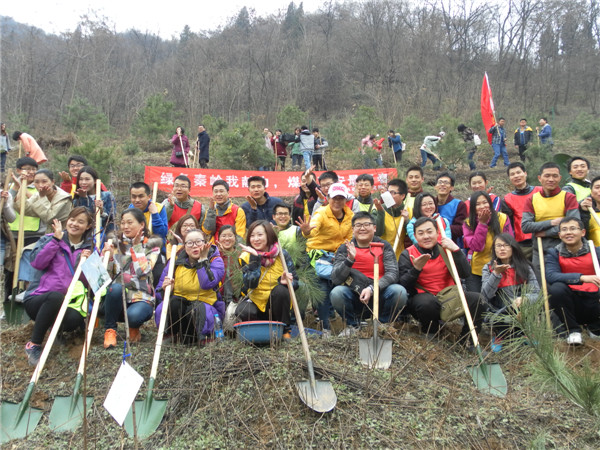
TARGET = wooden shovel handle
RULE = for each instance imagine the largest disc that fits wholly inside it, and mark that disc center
(544, 285)
(21, 232)
(398, 234)
(461, 292)
(57, 323)
(163, 313)
(98, 215)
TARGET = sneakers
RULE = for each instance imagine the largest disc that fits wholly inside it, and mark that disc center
(496, 344)
(134, 335)
(348, 331)
(34, 352)
(326, 334)
(110, 338)
(286, 336)
(574, 338)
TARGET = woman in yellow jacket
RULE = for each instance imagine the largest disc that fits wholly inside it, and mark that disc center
(265, 284)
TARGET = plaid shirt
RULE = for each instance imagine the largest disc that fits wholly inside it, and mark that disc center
(498, 135)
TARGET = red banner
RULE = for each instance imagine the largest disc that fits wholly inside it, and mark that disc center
(487, 107)
(279, 184)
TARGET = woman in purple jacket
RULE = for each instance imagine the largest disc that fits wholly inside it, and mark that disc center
(55, 257)
(181, 149)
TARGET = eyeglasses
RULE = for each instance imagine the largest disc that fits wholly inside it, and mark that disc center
(394, 192)
(325, 185)
(571, 229)
(196, 243)
(282, 214)
(362, 226)
(76, 166)
(501, 246)
(443, 183)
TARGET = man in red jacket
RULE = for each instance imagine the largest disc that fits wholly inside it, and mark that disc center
(574, 284)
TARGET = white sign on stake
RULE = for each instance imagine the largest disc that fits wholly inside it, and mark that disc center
(122, 393)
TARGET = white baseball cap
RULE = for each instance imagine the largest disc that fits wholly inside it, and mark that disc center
(337, 189)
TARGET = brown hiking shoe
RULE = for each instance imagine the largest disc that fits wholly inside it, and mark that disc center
(135, 335)
(110, 338)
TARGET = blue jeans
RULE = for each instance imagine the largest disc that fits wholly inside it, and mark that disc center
(3, 161)
(425, 156)
(307, 155)
(137, 313)
(348, 305)
(324, 309)
(499, 149)
(296, 160)
(470, 155)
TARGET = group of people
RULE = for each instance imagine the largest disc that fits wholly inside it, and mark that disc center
(492, 240)
(305, 147)
(182, 156)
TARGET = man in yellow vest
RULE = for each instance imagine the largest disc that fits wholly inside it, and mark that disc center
(544, 211)
(388, 219)
(34, 227)
(578, 184)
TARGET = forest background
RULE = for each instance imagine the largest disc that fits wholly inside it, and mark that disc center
(350, 68)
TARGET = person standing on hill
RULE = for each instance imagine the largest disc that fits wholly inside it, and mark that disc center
(545, 133)
(523, 136)
(31, 147)
(468, 136)
(307, 146)
(202, 146)
(320, 146)
(180, 155)
(4, 146)
(499, 142)
(395, 143)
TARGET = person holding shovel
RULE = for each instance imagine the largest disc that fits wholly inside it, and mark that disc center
(54, 259)
(85, 195)
(181, 149)
(264, 281)
(195, 300)
(390, 219)
(424, 270)
(134, 253)
(352, 276)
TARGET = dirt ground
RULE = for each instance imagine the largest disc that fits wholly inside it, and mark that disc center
(232, 394)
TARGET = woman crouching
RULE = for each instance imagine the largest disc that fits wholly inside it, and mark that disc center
(54, 258)
(264, 283)
(196, 281)
(135, 253)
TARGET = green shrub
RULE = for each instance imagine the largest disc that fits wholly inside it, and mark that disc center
(241, 148)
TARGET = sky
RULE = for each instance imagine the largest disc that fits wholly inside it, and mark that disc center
(163, 18)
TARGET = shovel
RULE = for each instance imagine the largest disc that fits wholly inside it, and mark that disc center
(150, 412)
(67, 413)
(376, 353)
(13, 309)
(487, 377)
(398, 234)
(318, 395)
(18, 420)
(544, 284)
(592, 245)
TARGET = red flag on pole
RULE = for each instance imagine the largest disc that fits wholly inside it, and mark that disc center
(488, 113)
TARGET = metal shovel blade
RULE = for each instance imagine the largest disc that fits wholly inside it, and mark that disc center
(321, 399)
(15, 313)
(67, 412)
(18, 419)
(148, 415)
(489, 379)
(376, 353)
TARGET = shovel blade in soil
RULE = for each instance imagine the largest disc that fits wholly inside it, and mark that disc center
(320, 399)
(148, 416)
(15, 313)
(375, 353)
(489, 379)
(18, 419)
(67, 412)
